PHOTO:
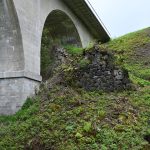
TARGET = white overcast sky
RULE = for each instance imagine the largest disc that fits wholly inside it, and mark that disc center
(123, 16)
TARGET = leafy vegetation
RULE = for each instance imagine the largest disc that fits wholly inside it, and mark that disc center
(65, 118)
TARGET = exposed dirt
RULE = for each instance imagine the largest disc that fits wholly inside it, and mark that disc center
(143, 54)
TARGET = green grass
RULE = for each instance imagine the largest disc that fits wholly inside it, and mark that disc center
(73, 50)
(23, 114)
(129, 42)
(64, 118)
(125, 50)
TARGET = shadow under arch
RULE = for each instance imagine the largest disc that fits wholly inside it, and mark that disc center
(58, 30)
(11, 47)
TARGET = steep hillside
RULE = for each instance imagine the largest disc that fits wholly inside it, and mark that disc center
(133, 52)
(62, 117)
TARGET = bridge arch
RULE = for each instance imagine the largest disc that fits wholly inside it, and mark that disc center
(58, 30)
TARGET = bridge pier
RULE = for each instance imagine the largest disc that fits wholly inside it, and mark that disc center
(15, 87)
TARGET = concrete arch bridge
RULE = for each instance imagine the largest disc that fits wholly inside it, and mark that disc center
(21, 26)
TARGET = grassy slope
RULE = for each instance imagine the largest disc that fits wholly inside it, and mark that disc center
(71, 119)
(133, 52)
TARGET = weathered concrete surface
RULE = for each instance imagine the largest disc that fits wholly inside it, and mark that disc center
(13, 92)
(11, 50)
(21, 26)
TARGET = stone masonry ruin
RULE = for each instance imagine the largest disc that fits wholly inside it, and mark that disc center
(101, 73)
(95, 70)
